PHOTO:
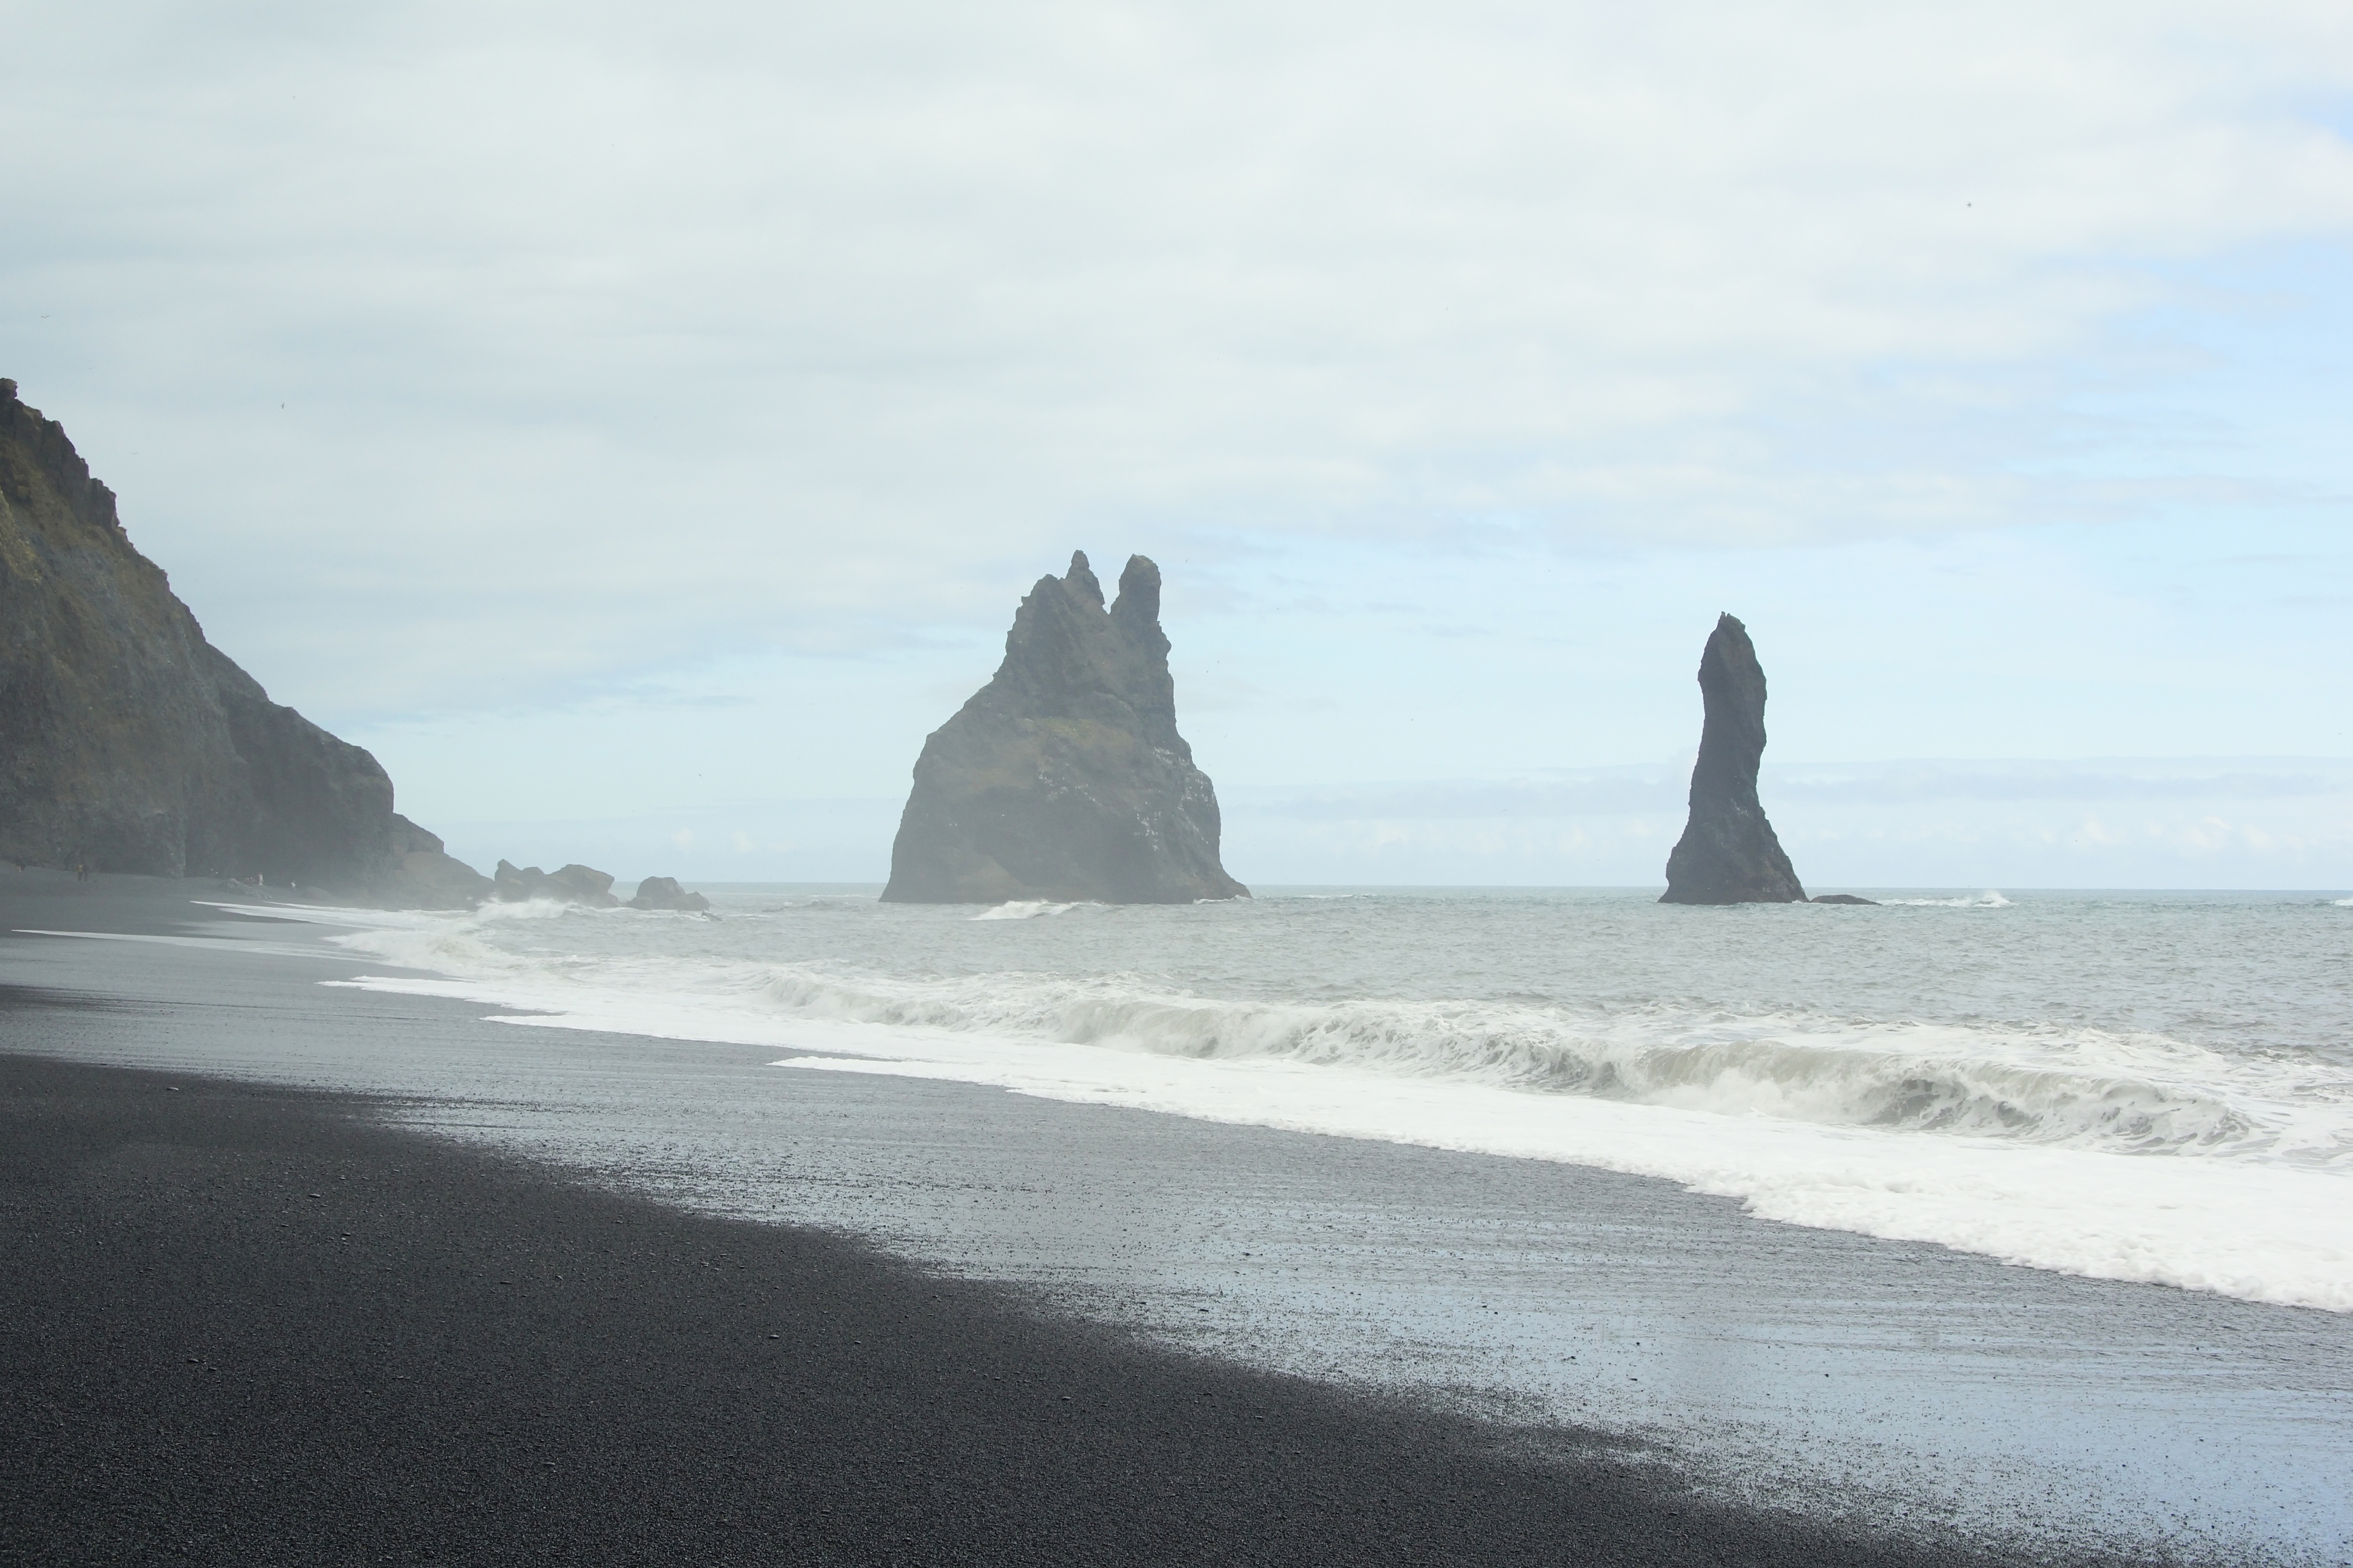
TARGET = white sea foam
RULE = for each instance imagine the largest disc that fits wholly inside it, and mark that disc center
(2104, 1152)
(2261, 1232)
(1024, 909)
(2081, 1088)
(1988, 900)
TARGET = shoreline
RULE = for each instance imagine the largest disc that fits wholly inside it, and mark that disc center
(1806, 1099)
(1115, 1227)
(252, 1328)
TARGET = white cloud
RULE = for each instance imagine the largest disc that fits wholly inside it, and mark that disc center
(607, 338)
(2119, 822)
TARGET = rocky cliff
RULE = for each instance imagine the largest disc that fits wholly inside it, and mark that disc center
(1728, 853)
(129, 743)
(1064, 777)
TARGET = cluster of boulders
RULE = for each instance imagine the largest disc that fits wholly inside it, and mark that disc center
(573, 884)
(578, 884)
(427, 876)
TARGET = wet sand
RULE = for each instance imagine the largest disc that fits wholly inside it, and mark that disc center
(393, 1367)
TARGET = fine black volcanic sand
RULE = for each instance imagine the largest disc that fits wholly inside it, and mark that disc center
(246, 1326)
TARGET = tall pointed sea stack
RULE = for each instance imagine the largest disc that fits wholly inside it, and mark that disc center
(1064, 777)
(1728, 853)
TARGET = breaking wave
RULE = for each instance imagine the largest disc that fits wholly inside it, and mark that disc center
(1024, 909)
(1988, 900)
(2081, 1088)
(2100, 1151)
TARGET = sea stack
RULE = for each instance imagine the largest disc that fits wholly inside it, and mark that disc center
(129, 743)
(1728, 853)
(1064, 777)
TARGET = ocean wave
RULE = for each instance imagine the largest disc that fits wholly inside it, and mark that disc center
(2069, 1086)
(533, 909)
(2139, 1092)
(2101, 1151)
(2083, 1089)
(1024, 909)
(2073, 1087)
(1988, 900)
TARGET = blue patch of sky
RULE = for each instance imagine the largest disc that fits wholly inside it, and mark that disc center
(2238, 374)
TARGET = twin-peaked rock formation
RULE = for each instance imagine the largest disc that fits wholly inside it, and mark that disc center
(1064, 777)
(1728, 853)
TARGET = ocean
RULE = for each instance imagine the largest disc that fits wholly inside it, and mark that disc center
(2128, 1086)
(2013, 1217)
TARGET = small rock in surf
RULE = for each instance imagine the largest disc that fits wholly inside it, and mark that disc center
(664, 893)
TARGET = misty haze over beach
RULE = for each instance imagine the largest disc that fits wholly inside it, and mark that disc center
(1082, 783)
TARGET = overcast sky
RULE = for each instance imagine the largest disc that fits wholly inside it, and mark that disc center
(636, 424)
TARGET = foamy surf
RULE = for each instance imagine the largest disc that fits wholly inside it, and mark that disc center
(1988, 900)
(2112, 1153)
(2261, 1234)
(1024, 909)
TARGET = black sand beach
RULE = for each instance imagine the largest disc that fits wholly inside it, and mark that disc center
(252, 1323)
(245, 1326)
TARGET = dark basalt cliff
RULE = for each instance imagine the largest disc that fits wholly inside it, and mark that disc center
(129, 743)
(1728, 853)
(1064, 777)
